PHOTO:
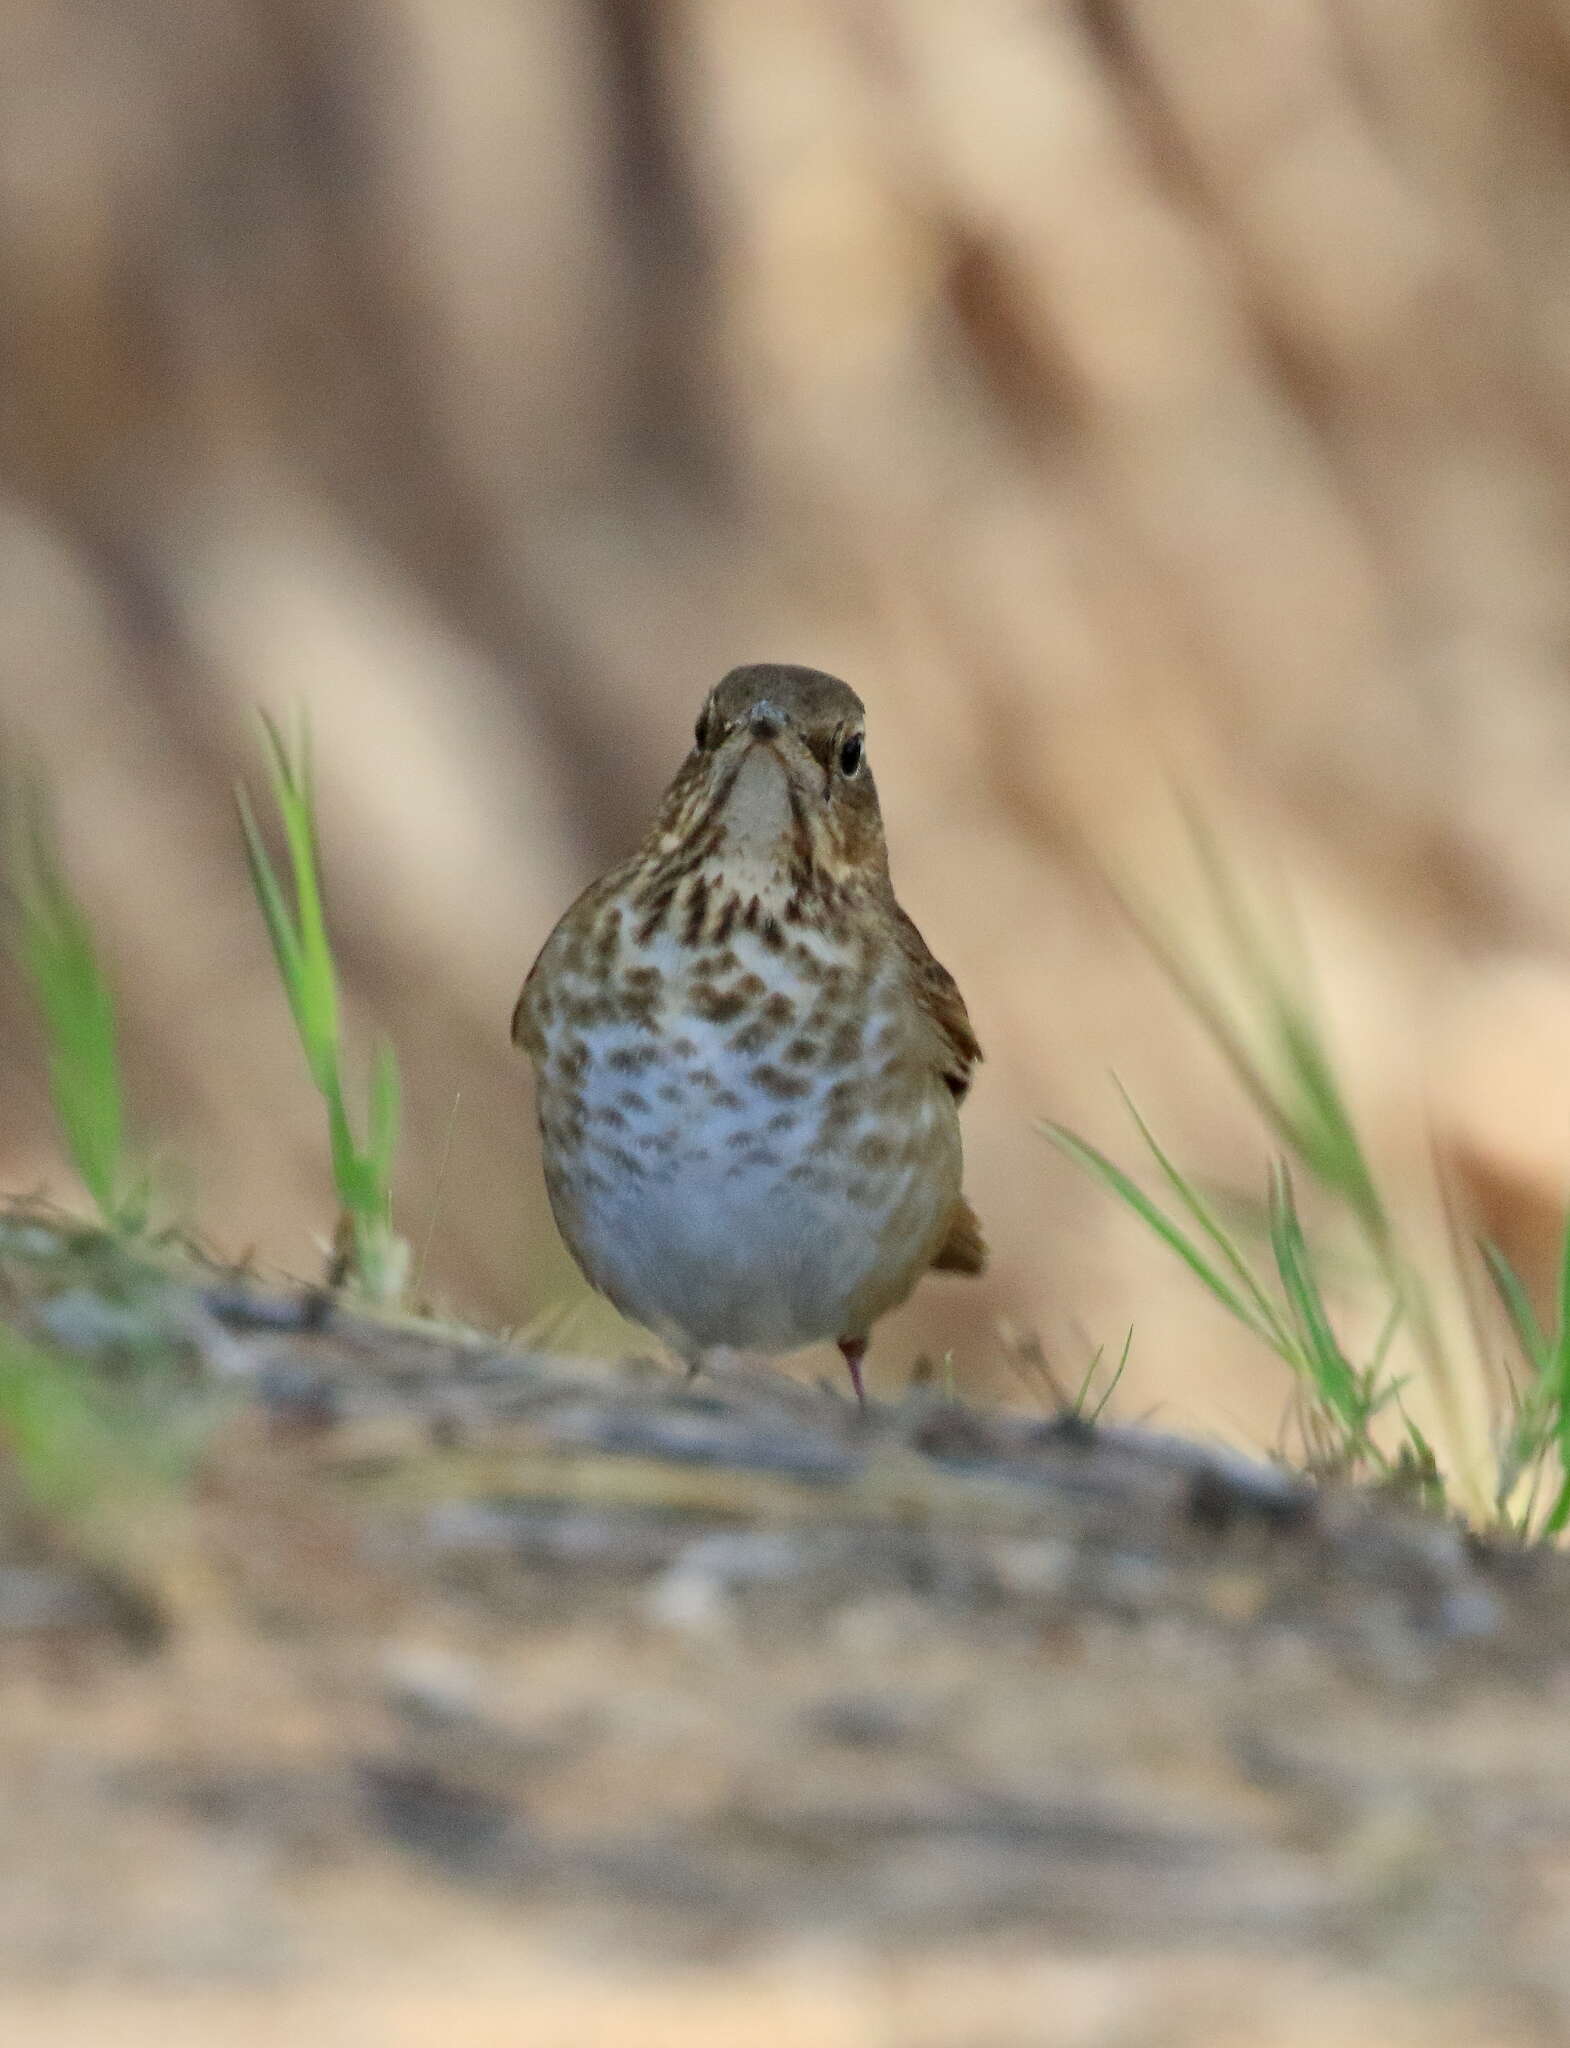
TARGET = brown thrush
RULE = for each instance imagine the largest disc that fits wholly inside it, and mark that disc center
(749, 1065)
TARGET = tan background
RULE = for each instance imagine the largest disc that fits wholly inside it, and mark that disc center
(1112, 391)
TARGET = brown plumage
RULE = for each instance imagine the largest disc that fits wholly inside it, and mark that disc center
(749, 1063)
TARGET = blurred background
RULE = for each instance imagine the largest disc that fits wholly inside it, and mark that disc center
(1122, 396)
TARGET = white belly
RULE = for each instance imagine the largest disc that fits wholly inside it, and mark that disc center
(740, 1196)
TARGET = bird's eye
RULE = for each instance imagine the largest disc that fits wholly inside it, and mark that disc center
(850, 754)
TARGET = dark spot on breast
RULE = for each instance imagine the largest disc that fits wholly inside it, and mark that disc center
(727, 1098)
(781, 1121)
(610, 1116)
(659, 910)
(631, 1059)
(670, 1091)
(643, 977)
(564, 1122)
(587, 1011)
(845, 1041)
(607, 937)
(697, 911)
(801, 1050)
(628, 1162)
(574, 1062)
(841, 1107)
(777, 1082)
(716, 1006)
(772, 935)
(775, 1016)
(682, 1048)
(725, 923)
(703, 1077)
(873, 1150)
(630, 1100)
(635, 1008)
(759, 1156)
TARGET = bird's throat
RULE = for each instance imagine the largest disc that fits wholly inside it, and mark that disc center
(758, 815)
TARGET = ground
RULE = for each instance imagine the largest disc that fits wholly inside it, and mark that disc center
(458, 1692)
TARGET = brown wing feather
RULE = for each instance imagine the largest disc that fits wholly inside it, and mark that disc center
(938, 995)
(956, 1054)
(964, 1249)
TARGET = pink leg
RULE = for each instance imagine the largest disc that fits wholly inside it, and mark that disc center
(853, 1350)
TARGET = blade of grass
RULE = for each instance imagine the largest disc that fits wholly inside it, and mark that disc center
(1207, 1221)
(293, 792)
(1518, 1308)
(287, 950)
(1129, 1192)
(1332, 1371)
(1558, 1516)
(1112, 1384)
(54, 945)
(362, 1175)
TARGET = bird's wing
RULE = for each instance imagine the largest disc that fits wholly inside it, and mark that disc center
(964, 1249)
(937, 994)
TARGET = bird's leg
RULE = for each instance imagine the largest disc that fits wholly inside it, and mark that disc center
(853, 1350)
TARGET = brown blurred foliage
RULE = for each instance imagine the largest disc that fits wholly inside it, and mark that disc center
(1116, 392)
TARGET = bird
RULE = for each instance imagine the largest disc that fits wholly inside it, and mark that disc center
(748, 1064)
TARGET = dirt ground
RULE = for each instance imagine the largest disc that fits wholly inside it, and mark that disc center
(468, 1694)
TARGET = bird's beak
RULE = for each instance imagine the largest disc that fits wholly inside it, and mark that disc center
(766, 720)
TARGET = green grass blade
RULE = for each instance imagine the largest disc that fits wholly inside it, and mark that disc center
(1559, 1362)
(1333, 1374)
(1329, 1140)
(1101, 1168)
(303, 949)
(350, 1174)
(292, 791)
(1517, 1304)
(1558, 1516)
(1395, 1316)
(1207, 1221)
(54, 945)
(1111, 1386)
(285, 940)
(1077, 1403)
